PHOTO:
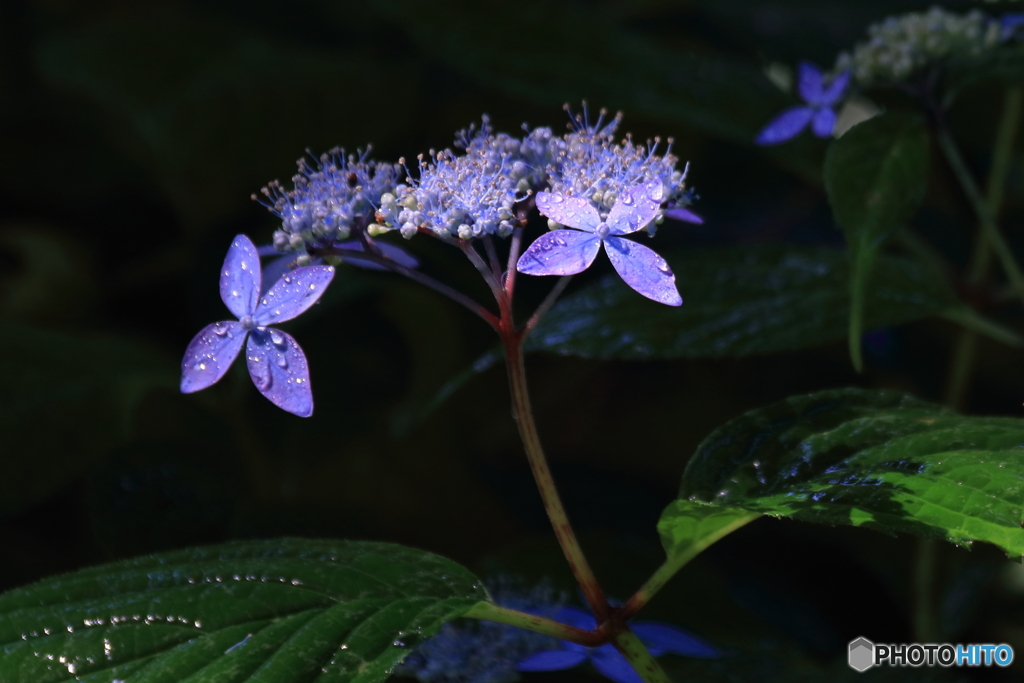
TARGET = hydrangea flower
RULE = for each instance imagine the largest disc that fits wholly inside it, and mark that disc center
(591, 165)
(659, 639)
(332, 196)
(276, 363)
(819, 110)
(566, 252)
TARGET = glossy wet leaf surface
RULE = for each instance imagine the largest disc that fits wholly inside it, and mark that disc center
(738, 301)
(880, 459)
(274, 611)
(687, 527)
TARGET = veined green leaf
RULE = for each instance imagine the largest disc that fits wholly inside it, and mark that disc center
(879, 459)
(739, 301)
(273, 611)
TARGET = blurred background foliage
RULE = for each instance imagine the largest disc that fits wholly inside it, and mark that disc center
(133, 135)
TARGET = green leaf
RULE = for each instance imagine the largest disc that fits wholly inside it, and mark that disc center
(273, 611)
(879, 459)
(740, 301)
(875, 176)
(687, 527)
(74, 401)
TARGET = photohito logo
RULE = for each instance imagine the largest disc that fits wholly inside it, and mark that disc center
(863, 654)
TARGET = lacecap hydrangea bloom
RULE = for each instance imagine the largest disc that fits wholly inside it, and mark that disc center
(900, 46)
(481, 189)
(276, 362)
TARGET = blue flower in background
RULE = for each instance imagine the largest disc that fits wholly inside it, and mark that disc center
(1009, 25)
(276, 363)
(819, 110)
(567, 252)
(659, 639)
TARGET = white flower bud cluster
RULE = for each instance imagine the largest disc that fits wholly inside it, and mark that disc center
(901, 45)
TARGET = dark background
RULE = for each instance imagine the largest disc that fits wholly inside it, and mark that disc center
(131, 138)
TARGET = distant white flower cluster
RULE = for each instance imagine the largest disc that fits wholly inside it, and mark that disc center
(902, 45)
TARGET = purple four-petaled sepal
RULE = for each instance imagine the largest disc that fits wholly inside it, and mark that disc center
(567, 252)
(276, 363)
(818, 111)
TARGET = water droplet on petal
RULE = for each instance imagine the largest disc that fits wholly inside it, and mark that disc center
(626, 199)
(557, 198)
(282, 362)
(277, 338)
(220, 329)
(260, 374)
(287, 279)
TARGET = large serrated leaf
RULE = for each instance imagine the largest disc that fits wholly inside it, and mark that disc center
(879, 459)
(739, 301)
(274, 611)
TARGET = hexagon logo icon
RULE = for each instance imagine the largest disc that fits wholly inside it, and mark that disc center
(862, 654)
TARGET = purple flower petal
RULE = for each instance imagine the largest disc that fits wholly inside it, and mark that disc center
(292, 294)
(643, 270)
(610, 664)
(210, 354)
(636, 207)
(785, 126)
(681, 214)
(553, 660)
(809, 82)
(661, 638)
(392, 251)
(572, 212)
(278, 368)
(835, 89)
(560, 252)
(240, 277)
(266, 250)
(823, 123)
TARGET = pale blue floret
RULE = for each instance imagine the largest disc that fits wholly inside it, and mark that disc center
(818, 112)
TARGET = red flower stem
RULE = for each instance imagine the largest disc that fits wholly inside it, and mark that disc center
(523, 414)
